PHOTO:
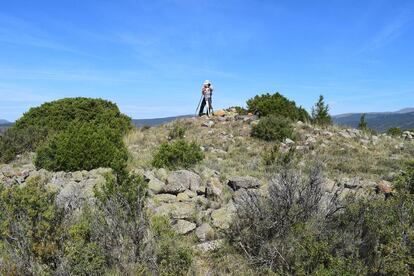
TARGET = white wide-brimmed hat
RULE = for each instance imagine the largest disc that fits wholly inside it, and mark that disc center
(207, 82)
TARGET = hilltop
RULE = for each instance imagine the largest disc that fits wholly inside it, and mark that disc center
(201, 203)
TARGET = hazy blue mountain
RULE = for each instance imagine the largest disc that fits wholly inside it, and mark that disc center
(157, 121)
(380, 121)
(3, 122)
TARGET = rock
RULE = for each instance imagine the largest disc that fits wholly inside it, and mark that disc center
(289, 141)
(246, 182)
(180, 181)
(220, 113)
(214, 187)
(183, 197)
(384, 187)
(209, 124)
(241, 195)
(204, 232)
(351, 184)
(177, 210)
(344, 134)
(155, 185)
(183, 227)
(161, 174)
(209, 246)
(165, 198)
(222, 217)
(328, 185)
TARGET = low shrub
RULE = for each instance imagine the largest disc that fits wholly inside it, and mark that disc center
(31, 230)
(178, 154)
(173, 257)
(394, 131)
(273, 128)
(299, 230)
(40, 123)
(83, 146)
(276, 104)
(177, 131)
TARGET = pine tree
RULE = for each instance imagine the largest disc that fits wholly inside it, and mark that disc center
(362, 123)
(320, 113)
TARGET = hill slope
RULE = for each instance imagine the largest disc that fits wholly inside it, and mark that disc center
(379, 121)
(157, 121)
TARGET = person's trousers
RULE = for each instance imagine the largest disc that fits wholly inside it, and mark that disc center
(203, 104)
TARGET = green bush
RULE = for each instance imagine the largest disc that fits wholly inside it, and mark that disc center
(83, 146)
(273, 128)
(276, 104)
(178, 154)
(40, 123)
(177, 131)
(296, 230)
(394, 131)
(173, 257)
(31, 229)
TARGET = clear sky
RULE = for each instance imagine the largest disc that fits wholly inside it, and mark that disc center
(150, 57)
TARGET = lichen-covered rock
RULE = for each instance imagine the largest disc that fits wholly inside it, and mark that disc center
(177, 210)
(155, 185)
(209, 245)
(182, 180)
(223, 217)
(204, 232)
(165, 198)
(183, 226)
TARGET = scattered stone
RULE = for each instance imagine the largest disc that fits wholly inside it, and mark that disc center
(220, 113)
(222, 217)
(289, 141)
(384, 187)
(209, 246)
(208, 124)
(182, 180)
(155, 185)
(183, 197)
(177, 210)
(246, 182)
(204, 232)
(183, 227)
(165, 198)
(214, 187)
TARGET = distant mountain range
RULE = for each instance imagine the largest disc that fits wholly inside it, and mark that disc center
(157, 121)
(4, 122)
(380, 121)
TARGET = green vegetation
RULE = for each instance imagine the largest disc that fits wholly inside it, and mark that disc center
(273, 128)
(394, 131)
(114, 235)
(30, 229)
(320, 113)
(82, 146)
(293, 231)
(178, 154)
(40, 123)
(362, 123)
(276, 104)
(177, 131)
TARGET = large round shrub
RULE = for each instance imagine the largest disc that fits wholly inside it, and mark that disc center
(83, 146)
(276, 104)
(178, 154)
(273, 128)
(39, 123)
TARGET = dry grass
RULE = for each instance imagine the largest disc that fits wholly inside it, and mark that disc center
(232, 152)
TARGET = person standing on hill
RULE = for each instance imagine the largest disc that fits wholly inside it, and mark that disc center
(207, 92)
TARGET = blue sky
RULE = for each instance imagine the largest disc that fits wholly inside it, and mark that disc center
(150, 57)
